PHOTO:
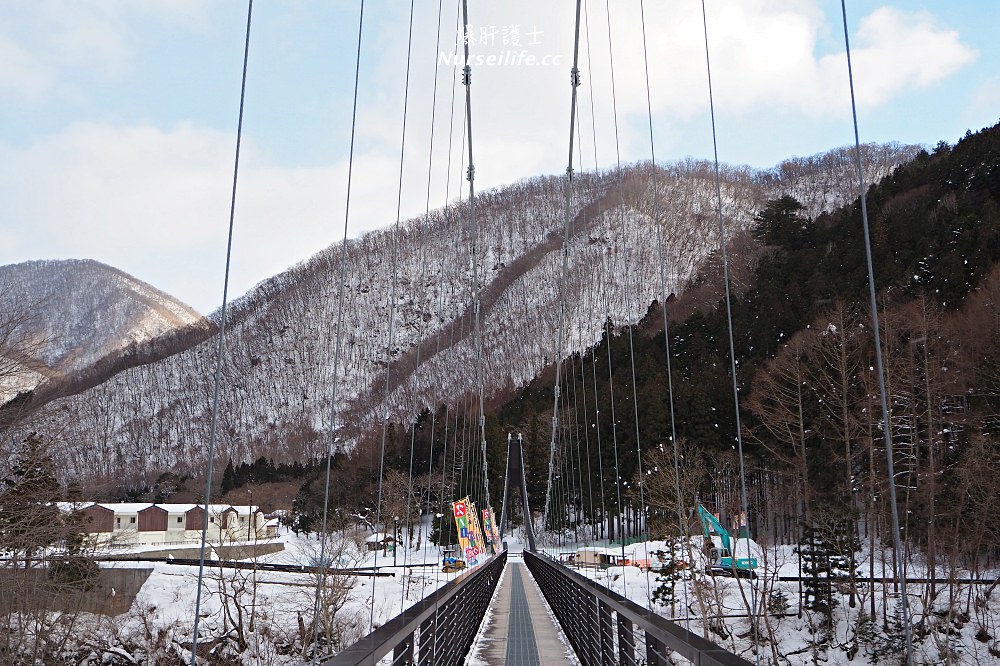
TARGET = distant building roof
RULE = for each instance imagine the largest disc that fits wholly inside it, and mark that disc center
(380, 536)
(136, 507)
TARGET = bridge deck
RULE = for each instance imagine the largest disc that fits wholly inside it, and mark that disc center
(520, 631)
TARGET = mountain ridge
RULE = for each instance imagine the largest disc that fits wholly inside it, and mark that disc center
(77, 314)
(277, 381)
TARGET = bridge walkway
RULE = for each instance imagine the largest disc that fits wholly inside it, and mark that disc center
(520, 630)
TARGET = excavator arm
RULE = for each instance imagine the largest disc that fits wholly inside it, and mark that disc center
(711, 525)
(724, 559)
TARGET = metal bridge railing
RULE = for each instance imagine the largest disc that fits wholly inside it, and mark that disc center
(605, 628)
(438, 630)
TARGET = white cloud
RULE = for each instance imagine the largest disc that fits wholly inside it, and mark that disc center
(156, 204)
(768, 54)
(45, 43)
(155, 201)
(984, 103)
(20, 73)
(902, 50)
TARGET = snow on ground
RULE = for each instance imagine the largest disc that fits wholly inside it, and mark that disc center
(276, 600)
(963, 639)
(164, 608)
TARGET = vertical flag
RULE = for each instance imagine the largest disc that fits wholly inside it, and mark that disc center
(495, 529)
(476, 529)
(465, 514)
(488, 530)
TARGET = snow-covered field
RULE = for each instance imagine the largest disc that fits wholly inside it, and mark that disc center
(719, 608)
(263, 617)
(275, 601)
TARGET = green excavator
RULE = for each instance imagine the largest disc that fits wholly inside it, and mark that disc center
(723, 562)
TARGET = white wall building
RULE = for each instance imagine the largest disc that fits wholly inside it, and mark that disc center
(130, 524)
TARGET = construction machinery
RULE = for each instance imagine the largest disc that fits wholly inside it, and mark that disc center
(722, 560)
(450, 563)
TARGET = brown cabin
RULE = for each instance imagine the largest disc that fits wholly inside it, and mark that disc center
(194, 519)
(97, 518)
(153, 519)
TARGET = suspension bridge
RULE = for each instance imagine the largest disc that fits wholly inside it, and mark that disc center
(534, 601)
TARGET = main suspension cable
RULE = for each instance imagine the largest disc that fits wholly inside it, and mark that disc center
(331, 425)
(213, 430)
(729, 321)
(883, 394)
(476, 249)
(574, 77)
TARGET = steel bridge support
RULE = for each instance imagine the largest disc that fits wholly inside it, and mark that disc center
(515, 476)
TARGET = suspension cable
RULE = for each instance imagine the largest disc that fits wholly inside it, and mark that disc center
(331, 426)
(664, 300)
(434, 392)
(729, 321)
(476, 280)
(423, 277)
(593, 115)
(394, 269)
(597, 409)
(886, 418)
(430, 447)
(586, 439)
(628, 304)
(581, 512)
(213, 430)
(589, 524)
(574, 79)
(445, 486)
(608, 327)
(621, 224)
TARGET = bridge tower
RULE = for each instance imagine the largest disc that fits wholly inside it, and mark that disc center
(515, 477)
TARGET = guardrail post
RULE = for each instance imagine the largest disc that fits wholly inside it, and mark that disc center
(654, 649)
(607, 633)
(403, 652)
(626, 642)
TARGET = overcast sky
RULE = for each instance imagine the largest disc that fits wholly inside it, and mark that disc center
(118, 117)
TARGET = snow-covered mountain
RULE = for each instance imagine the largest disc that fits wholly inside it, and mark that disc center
(70, 315)
(406, 318)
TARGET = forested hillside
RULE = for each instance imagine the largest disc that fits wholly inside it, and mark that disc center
(407, 308)
(809, 397)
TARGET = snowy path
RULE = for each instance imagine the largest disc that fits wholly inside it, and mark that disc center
(520, 629)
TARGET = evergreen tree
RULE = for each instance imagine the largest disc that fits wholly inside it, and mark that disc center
(29, 517)
(228, 478)
(781, 222)
(827, 554)
(883, 643)
(668, 573)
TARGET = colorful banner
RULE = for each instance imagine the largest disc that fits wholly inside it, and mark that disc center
(465, 515)
(495, 528)
(477, 531)
(488, 528)
(492, 533)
